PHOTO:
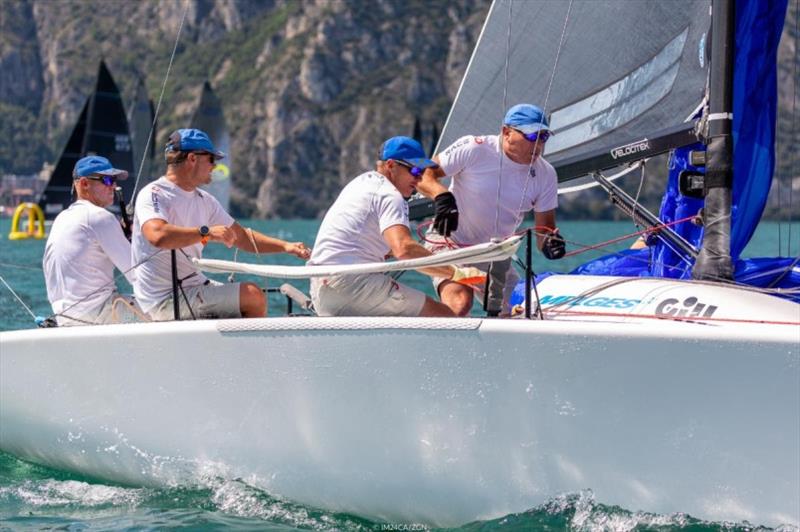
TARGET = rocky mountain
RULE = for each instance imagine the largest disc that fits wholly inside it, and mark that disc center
(310, 87)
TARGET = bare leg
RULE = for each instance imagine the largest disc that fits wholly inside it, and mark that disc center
(433, 308)
(252, 302)
(456, 296)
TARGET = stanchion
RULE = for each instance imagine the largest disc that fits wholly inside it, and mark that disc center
(176, 304)
(528, 274)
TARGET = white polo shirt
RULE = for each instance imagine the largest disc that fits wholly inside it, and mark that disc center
(164, 200)
(85, 243)
(352, 230)
(475, 165)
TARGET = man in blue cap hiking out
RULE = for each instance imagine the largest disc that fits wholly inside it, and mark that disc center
(496, 180)
(174, 213)
(85, 243)
(366, 223)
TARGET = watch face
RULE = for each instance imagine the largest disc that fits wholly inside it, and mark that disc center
(203, 230)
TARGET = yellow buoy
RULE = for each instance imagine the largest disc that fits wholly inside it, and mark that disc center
(35, 225)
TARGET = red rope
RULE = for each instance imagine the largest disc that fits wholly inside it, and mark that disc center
(565, 312)
(630, 235)
(540, 230)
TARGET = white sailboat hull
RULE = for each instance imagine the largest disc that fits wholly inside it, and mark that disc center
(439, 421)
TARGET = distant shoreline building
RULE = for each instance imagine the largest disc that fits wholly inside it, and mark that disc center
(16, 189)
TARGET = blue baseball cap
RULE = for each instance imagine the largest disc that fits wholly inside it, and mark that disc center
(407, 150)
(526, 118)
(192, 140)
(96, 165)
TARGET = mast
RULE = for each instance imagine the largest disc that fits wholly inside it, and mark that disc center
(714, 261)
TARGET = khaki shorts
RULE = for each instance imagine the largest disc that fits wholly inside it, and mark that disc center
(116, 309)
(435, 244)
(208, 301)
(373, 294)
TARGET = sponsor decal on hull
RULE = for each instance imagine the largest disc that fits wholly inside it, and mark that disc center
(689, 307)
(599, 302)
(672, 307)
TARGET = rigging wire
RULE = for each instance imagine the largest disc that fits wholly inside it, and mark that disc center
(21, 266)
(160, 98)
(144, 157)
(784, 273)
(113, 282)
(21, 302)
(531, 171)
(795, 169)
(502, 113)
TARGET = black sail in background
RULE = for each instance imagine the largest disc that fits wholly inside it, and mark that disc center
(102, 129)
(210, 118)
(627, 70)
(140, 118)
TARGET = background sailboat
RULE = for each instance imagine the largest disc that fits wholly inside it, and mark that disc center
(210, 118)
(141, 116)
(102, 129)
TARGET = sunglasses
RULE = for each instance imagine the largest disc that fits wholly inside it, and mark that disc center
(541, 136)
(107, 180)
(416, 171)
(210, 155)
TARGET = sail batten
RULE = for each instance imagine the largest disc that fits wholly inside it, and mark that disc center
(620, 93)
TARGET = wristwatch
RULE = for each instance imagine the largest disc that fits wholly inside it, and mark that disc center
(203, 229)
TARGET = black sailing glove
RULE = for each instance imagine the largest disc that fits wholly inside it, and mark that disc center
(446, 220)
(554, 246)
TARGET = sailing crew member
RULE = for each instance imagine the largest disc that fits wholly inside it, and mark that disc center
(368, 221)
(85, 243)
(496, 180)
(174, 213)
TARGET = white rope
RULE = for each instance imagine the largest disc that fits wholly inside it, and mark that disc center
(158, 106)
(636, 199)
(488, 252)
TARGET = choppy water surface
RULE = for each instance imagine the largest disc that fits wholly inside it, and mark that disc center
(33, 497)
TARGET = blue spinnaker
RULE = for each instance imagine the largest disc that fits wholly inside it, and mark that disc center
(758, 30)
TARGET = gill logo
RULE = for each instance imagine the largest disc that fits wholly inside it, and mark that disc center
(690, 307)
